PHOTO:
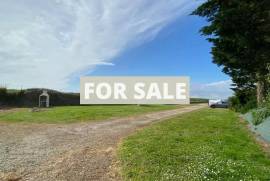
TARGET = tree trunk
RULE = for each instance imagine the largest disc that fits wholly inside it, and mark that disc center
(260, 92)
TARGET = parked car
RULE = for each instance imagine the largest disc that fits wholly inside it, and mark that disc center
(220, 104)
(213, 101)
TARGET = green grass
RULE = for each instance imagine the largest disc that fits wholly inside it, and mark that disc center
(71, 114)
(210, 144)
(198, 100)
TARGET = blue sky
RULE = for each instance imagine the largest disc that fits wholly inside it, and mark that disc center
(53, 43)
(178, 50)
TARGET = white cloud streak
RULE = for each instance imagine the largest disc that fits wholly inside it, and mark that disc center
(214, 90)
(44, 43)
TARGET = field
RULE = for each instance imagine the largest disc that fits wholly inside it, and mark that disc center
(70, 114)
(78, 151)
(205, 145)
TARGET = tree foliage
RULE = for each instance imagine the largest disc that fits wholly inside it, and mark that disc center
(240, 33)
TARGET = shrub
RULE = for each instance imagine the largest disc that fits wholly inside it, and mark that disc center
(267, 102)
(260, 115)
(3, 95)
(3, 91)
(242, 103)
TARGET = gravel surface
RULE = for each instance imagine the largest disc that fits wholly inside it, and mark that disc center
(79, 151)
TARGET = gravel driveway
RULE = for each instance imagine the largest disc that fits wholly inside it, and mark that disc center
(79, 151)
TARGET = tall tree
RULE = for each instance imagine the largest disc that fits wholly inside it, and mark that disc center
(240, 33)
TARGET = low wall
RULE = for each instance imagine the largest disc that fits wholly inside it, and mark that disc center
(262, 129)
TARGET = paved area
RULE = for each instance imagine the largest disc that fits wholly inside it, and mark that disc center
(79, 151)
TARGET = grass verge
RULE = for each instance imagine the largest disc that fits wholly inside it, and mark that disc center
(210, 144)
(70, 114)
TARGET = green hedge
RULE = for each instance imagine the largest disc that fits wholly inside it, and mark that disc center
(30, 98)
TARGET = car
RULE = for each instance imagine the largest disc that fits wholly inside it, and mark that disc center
(220, 104)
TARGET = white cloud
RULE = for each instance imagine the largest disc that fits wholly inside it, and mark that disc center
(43, 43)
(214, 90)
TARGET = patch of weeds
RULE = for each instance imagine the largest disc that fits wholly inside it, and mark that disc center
(260, 115)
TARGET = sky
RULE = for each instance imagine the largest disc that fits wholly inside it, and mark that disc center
(51, 44)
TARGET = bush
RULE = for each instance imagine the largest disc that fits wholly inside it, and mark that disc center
(267, 102)
(242, 104)
(263, 113)
(3, 95)
(260, 115)
(3, 92)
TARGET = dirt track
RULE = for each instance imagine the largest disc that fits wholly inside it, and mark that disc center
(81, 151)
